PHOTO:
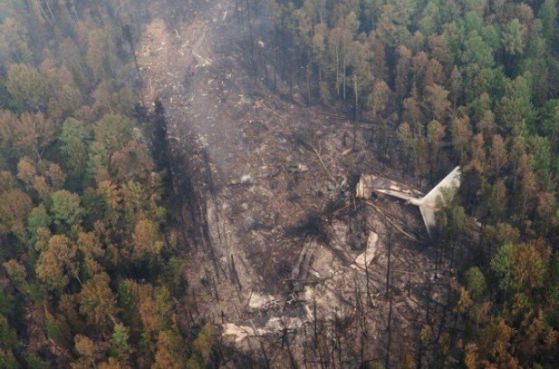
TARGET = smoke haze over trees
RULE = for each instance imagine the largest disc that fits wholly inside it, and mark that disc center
(92, 248)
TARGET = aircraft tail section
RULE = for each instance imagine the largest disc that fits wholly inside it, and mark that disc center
(429, 204)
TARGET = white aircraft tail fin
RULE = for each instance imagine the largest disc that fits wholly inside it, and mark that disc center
(429, 204)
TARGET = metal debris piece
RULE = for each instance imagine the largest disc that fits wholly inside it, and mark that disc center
(365, 258)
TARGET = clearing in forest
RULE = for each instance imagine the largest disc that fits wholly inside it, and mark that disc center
(288, 242)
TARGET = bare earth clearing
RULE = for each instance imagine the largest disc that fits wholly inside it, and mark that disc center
(286, 237)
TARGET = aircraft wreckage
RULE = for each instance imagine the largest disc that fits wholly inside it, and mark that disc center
(428, 205)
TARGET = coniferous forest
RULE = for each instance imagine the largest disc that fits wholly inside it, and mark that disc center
(93, 248)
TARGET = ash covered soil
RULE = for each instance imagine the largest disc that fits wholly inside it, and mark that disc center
(275, 182)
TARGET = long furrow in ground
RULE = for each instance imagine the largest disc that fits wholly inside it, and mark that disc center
(273, 180)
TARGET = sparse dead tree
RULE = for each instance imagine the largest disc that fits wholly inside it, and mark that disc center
(388, 264)
(389, 331)
(285, 342)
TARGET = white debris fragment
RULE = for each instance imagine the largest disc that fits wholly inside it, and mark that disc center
(276, 324)
(366, 257)
(239, 332)
(246, 179)
(259, 301)
(302, 167)
(202, 140)
(315, 273)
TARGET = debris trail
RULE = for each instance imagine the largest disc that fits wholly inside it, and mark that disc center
(253, 181)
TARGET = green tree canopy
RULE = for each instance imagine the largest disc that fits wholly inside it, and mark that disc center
(66, 209)
(27, 87)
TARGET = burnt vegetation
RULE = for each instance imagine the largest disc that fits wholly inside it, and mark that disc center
(109, 210)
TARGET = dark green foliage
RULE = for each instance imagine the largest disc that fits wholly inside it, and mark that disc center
(66, 209)
(38, 218)
(475, 282)
(35, 362)
(7, 302)
(95, 207)
(74, 140)
(120, 348)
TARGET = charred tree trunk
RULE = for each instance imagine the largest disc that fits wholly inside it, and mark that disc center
(388, 265)
(389, 332)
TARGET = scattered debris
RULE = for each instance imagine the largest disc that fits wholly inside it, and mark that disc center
(246, 179)
(280, 236)
(274, 325)
(428, 205)
(302, 168)
(239, 332)
(299, 168)
(259, 301)
(277, 324)
(369, 184)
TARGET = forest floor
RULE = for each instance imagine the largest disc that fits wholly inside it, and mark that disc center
(284, 227)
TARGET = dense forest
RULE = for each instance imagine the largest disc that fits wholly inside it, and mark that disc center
(91, 275)
(472, 83)
(92, 260)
